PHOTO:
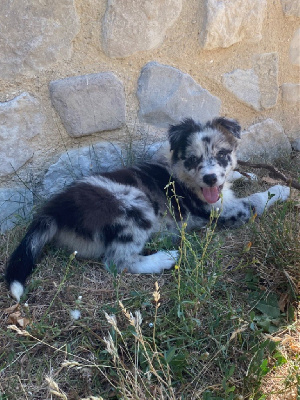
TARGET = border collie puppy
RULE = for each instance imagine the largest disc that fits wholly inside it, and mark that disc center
(112, 215)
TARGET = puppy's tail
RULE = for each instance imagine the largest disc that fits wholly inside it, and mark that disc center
(23, 259)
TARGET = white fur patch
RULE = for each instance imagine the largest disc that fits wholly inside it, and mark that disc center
(155, 263)
(17, 289)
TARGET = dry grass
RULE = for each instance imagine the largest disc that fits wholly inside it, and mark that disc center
(222, 325)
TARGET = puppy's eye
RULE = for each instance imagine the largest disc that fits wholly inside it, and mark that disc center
(223, 154)
(193, 160)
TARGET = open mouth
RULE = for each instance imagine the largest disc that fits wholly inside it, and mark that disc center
(212, 194)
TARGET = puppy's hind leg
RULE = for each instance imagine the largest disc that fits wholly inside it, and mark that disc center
(127, 256)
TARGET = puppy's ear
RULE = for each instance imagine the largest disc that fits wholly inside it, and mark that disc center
(179, 134)
(226, 125)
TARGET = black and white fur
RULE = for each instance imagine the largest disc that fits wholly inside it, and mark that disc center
(112, 215)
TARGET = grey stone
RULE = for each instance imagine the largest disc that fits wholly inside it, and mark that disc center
(256, 87)
(15, 207)
(137, 25)
(291, 92)
(264, 141)
(295, 49)
(244, 84)
(21, 119)
(167, 95)
(266, 67)
(76, 163)
(296, 144)
(89, 103)
(291, 7)
(228, 22)
(34, 34)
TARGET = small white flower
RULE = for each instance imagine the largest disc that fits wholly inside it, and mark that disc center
(75, 314)
(79, 297)
(151, 325)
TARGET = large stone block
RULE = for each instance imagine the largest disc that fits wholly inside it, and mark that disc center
(295, 49)
(76, 163)
(291, 93)
(35, 34)
(21, 119)
(167, 95)
(256, 87)
(89, 103)
(229, 22)
(137, 25)
(264, 141)
(15, 206)
(291, 7)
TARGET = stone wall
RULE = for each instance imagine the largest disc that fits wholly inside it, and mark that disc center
(84, 81)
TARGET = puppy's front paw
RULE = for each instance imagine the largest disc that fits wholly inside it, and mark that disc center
(280, 192)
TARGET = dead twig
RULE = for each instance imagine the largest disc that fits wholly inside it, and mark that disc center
(275, 172)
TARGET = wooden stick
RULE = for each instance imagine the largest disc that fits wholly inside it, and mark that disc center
(277, 174)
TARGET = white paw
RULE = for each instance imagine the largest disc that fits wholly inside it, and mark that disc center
(167, 259)
(281, 192)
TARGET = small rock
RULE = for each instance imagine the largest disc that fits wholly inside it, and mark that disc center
(139, 25)
(295, 49)
(35, 34)
(229, 22)
(21, 119)
(90, 103)
(256, 87)
(84, 161)
(296, 144)
(291, 7)
(264, 141)
(167, 95)
(291, 92)
(15, 206)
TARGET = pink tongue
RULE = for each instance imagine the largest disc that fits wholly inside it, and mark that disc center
(211, 194)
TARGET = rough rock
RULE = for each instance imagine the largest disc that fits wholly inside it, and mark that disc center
(295, 49)
(89, 103)
(167, 95)
(229, 22)
(15, 206)
(296, 144)
(266, 67)
(264, 141)
(84, 161)
(244, 84)
(21, 119)
(256, 87)
(34, 35)
(138, 25)
(291, 7)
(291, 92)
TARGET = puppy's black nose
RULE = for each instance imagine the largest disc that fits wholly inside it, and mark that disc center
(210, 179)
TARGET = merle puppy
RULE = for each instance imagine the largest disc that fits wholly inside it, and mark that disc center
(112, 215)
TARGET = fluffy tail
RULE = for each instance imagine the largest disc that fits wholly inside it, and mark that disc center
(23, 259)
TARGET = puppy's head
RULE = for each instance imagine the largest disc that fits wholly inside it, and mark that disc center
(203, 155)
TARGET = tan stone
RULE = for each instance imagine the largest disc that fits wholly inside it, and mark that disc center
(35, 35)
(21, 120)
(137, 25)
(264, 141)
(291, 92)
(229, 22)
(295, 49)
